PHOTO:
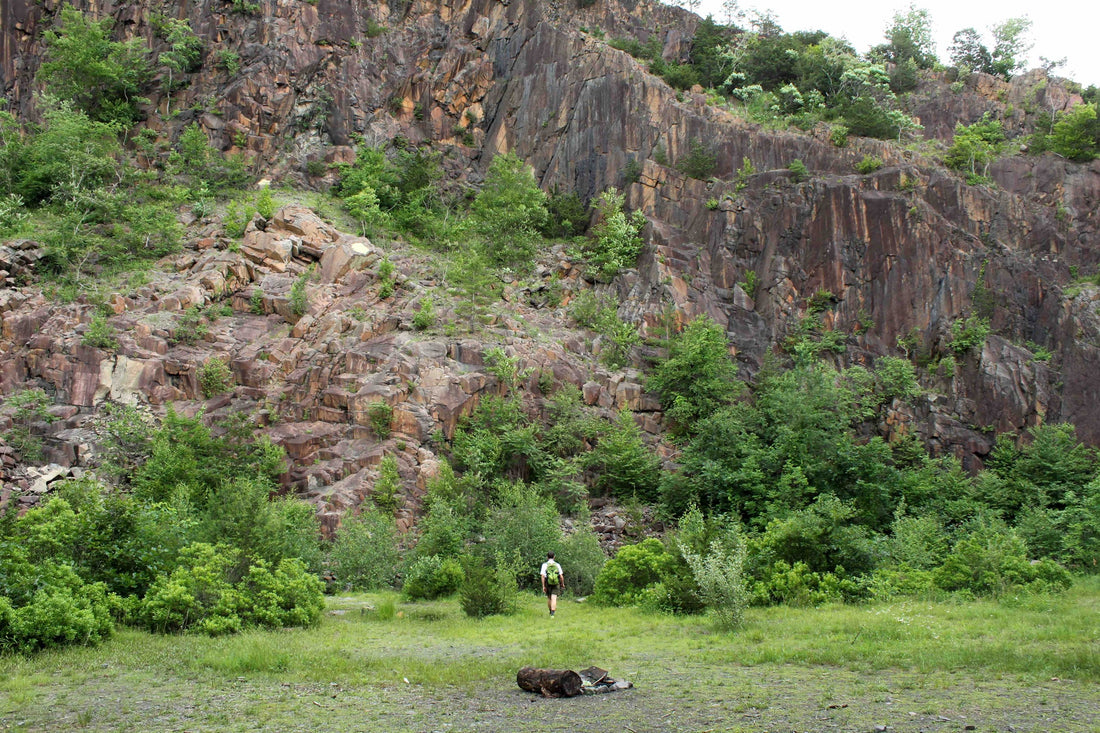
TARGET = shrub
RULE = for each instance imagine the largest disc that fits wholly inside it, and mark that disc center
(869, 164)
(974, 147)
(626, 577)
(228, 60)
(523, 524)
(100, 334)
(385, 489)
(197, 594)
(431, 577)
(625, 466)
(616, 240)
(968, 333)
(991, 559)
(266, 206)
(632, 172)
(698, 377)
(720, 577)
(509, 211)
(444, 530)
(582, 558)
(425, 316)
(796, 585)
(256, 301)
(380, 415)
(299, 299)
(102, 77)
(200, 595)
(488, 590)
(567, 214)
(799, 172)
(744, 173)
(700, 162)
(364, 554)
(1076, 134)
(46, 604)
(289, 595)
(215, 377)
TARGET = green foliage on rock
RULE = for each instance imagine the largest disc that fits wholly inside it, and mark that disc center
(509, 212)
(616, 238)
(975, 147)
(698, 377)
(102, 77)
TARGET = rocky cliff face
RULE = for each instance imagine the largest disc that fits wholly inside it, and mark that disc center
(902, 251)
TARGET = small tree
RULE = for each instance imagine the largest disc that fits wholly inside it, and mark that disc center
(698, 377)
(974, 148)
(617, 239)
(101, 77)
(1010, 46)
(721, 579)
(509, 211)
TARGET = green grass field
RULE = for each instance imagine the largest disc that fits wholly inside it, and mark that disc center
(375, 664)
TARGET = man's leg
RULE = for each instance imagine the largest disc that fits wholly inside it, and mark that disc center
(553, 603)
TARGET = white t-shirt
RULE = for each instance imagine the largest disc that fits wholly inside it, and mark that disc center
(548, 563)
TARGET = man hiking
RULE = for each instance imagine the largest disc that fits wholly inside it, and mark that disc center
(553, 582)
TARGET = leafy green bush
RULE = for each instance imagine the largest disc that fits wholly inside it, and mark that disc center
(200, 594)
(1076, 134)
(425, 315)
(625, 578)
(819, 536)
(29, 408)
(288, 595)
(700, 162)
(521, 523)
(99, 334)
(364, 554)
(201, 165)
(567, 214)
(796, 585)
(974, 148)
(968, 333)
(991, 559)
(582, 558)
(384, 493)
(698, 377)
(616, 240)
(266, 206)
(720, 576)
(869, 164)
(431, 576)
(509, 211)
(299, 298)
(625, 466)
(799, 172)
(380, 415)
(488, 590)
(45, 604)
(102, 77)
(215, 377)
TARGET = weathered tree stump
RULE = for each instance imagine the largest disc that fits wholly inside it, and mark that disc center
(550, 682)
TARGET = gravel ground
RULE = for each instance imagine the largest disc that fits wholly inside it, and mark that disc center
(695, 698)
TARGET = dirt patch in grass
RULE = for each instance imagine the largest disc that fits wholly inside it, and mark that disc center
(674, 696)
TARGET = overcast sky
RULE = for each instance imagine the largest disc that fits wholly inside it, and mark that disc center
(1059, 29)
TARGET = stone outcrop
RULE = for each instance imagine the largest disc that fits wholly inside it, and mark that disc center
(903, 253)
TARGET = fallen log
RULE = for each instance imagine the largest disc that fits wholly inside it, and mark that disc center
(550, 682)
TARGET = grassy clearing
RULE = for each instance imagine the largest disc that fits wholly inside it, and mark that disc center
(1031, 663)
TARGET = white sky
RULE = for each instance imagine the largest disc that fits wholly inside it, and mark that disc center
(1059, 29)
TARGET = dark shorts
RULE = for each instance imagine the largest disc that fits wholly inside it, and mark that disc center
(553, 590)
